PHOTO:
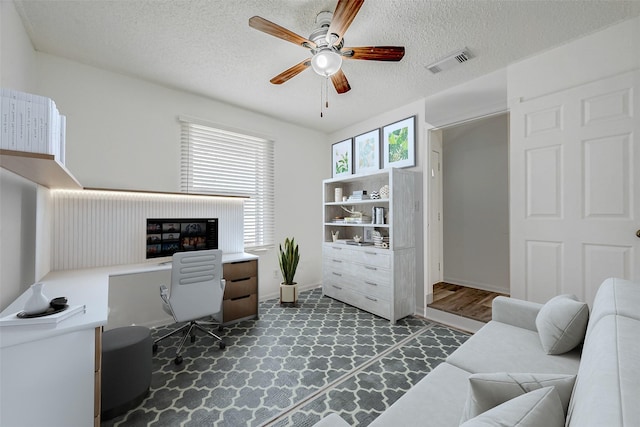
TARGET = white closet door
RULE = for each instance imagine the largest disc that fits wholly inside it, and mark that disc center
(575, 189)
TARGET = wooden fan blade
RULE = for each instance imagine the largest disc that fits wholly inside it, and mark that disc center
(374, 53)
(340, 82)
(291, 72)
(345, 12)
(276, 30)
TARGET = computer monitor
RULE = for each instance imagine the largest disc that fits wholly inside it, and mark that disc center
(166, 236)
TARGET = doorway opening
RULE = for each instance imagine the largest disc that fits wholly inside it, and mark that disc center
(469, 210)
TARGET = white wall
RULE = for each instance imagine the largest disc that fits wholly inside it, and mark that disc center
(415, 108)
(476, 204)
(611, 51)
(483, 96)
(17, 195)
(123, 132)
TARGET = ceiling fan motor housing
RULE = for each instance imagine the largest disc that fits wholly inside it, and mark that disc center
(319, 35)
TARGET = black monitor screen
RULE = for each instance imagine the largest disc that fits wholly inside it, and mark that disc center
(168, 236)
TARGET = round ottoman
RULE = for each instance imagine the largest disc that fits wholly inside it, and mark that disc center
(126, 369)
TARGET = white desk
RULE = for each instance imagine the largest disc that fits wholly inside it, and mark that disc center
(48, 371)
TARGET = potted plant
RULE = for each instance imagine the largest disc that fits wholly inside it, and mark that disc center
(288, 259)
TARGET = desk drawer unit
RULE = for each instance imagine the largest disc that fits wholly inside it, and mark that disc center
(241, 291)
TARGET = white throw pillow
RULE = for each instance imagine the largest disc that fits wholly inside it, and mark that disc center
(537, 408)
(562, 323)
(489, 390)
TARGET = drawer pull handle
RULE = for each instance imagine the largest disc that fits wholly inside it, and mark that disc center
(372, 299)
(242, 297)
(337, 260)
(239, 280)
(336, 249)
(337, 287)
(336, 274)
(370, 253)
(368, 267)
(371, 283)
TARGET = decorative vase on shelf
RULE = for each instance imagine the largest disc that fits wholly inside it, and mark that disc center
(384, 192)
(37, 302)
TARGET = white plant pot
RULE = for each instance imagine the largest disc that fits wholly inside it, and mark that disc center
(288, 293)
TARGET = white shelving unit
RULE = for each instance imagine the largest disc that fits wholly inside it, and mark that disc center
(379, 280)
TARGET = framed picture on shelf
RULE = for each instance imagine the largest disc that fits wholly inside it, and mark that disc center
(367, 152)
(399, 144)
(341, 158)
(368, 234)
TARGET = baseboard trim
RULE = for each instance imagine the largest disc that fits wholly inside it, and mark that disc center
(455, 321)
(476, 285)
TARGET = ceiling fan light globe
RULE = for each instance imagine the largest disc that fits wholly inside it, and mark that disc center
(326, 62)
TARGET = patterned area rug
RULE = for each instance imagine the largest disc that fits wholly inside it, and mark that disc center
(292, 367)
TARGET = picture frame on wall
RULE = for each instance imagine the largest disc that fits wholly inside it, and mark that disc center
(367, 152)
(399, 144)
(342, 158)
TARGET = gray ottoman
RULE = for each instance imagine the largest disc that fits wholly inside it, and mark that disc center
(126, 369)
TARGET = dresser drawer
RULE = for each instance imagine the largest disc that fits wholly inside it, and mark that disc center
(373, 257)
(240, 270)
(364, 255)
(377, 306)
(340, 251)
(240, 288)
(365, 286)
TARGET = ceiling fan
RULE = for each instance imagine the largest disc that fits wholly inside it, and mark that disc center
(326, 44)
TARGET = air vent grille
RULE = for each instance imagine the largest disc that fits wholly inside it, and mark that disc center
(450, 61)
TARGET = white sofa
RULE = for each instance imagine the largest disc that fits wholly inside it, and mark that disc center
(605, 368)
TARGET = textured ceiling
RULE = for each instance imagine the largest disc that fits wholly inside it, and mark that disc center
(207, 47)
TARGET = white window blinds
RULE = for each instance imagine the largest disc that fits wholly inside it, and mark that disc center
(221, 162)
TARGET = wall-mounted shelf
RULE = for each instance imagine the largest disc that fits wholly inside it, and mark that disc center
(40, 168)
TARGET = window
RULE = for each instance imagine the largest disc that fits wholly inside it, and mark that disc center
(227, 163)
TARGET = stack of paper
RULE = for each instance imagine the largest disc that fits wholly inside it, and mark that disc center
(31, 123)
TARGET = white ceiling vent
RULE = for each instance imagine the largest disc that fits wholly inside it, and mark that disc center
(450, 61)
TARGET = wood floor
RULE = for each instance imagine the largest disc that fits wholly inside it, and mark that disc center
(464, 301)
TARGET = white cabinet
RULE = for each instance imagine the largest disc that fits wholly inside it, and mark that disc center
(381, 280)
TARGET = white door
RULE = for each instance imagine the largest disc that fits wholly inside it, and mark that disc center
(435, 212)
(575, 189)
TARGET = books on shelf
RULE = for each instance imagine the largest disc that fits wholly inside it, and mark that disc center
(13, 319)
(31, 123)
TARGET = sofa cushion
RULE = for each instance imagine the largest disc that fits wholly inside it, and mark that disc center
(615, 296)
(331, 420)
(436, 400)
(562, 323)
(608, 383)
(498, 347)
(534, 409)
(489, 390)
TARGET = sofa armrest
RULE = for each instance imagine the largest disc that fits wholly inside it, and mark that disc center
(515, 312)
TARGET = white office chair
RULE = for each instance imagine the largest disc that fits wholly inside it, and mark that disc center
(197, 290)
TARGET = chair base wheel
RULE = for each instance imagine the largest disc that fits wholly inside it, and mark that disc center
(178, 360)
(222, 345)
(155, 348)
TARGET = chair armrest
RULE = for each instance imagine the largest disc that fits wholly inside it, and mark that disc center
(515, 312)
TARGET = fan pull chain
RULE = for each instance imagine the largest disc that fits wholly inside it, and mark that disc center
(321, 103)
(324, 93)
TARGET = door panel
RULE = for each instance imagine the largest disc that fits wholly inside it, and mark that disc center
(574, 187)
